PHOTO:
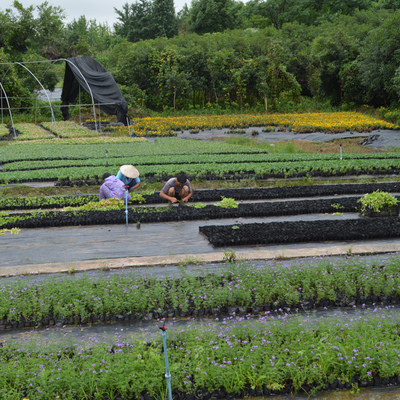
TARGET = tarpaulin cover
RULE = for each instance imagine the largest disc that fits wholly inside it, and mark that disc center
(95, 79)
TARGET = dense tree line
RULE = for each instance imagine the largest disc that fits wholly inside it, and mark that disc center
(349, 61)
(221, 52)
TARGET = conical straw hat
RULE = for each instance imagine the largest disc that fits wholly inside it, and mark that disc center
(129, 171)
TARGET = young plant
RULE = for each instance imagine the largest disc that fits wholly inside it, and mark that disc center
(227, 202)
(377, 202)
(138, 197)
(229, 255)
(197, 205)
(337, 206)
(103, 205)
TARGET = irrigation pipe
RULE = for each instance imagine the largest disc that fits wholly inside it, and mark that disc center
(167, 373)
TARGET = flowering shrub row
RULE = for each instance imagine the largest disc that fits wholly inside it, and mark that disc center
(268, 286)
(302, 123)
(165, 126)
(238, 357)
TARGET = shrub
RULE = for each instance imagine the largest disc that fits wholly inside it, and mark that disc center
(377, 201)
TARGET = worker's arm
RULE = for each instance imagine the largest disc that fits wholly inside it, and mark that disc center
(169, 198)
(135, 186)
(186, 199)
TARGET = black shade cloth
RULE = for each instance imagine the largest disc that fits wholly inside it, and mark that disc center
(92, 77)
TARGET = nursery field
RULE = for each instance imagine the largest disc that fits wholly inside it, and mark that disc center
(277, 353)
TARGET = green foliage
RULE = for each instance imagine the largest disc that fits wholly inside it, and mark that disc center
(61, 161)
(137, 197)
(146, 19)
(227, 202)
(103, 205)
(197, 205)
(34, 28)
(377, 201)
(208, 16)
(229, 255)
(337, 206)
(12, 231)
(340, 53)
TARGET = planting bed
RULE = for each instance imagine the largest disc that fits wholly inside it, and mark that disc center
(270, 208)
(209, 195)
(186, 213)
(302, 231)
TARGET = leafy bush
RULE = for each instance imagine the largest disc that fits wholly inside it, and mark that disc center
(377, 201)
(227, 202)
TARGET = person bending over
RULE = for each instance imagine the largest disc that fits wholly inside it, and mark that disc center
(129, 175)
(177, 189)
(112, 187)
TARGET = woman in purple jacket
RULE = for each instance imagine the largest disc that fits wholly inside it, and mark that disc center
(113, 187)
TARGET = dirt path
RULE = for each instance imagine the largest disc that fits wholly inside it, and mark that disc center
(378, 139)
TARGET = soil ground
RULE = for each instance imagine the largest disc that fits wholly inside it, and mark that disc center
(377, 139)
(66, 249)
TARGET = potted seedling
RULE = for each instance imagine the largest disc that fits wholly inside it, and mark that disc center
(379, 204)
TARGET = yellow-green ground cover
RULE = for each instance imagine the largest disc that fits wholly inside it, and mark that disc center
(167, 126)
(69, 129)
(4, 131)
(307, 122)
(32, 132)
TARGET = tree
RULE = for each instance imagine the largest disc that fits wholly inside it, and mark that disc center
(18, 95)
(164, 19)
(135, 21)
(379, 61)
(146, 19)
(277, 12)
(49, 26)
(329, 52)
(272, 78)
(182, 20)
(87, 37)
(207, 16)
(218, 63)
(21, 30)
